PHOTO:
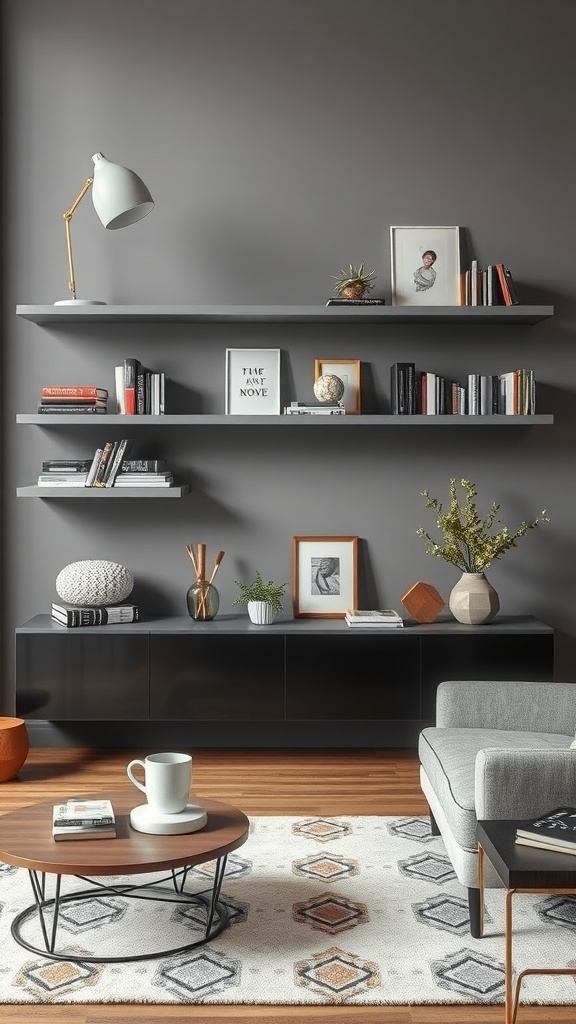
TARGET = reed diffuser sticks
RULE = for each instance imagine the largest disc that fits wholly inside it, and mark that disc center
(198, 559)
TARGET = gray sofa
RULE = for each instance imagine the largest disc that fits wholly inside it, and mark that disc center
(497, 750)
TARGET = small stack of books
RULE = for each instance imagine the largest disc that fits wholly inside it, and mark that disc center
(139, 391)
(144, 478)
(83, 819)
(382, 617)
(93, 615)
(64, 472)
(73, 398)
(554, 831)
(314, 409)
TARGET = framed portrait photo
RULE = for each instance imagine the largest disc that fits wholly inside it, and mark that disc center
(349, 372)
(252, 381)
(324, 576)
(425, 266)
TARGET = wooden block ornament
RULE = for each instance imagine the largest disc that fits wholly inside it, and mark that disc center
(423, 602)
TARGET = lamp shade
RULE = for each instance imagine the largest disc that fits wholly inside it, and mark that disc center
(120, 197)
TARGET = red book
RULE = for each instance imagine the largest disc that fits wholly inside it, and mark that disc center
(504, 288)
(130, 374)
(73, 391)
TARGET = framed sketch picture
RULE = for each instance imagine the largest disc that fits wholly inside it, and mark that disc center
(253, 381)
(349, 372)
(425, 266)
(324, 576)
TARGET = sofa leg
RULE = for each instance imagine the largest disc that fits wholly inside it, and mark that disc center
(434, 830)
(474, 911)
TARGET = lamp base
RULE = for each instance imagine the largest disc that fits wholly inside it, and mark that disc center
(80, 302)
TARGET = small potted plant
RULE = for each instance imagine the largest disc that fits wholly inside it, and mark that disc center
(264, 600)
(354, 283)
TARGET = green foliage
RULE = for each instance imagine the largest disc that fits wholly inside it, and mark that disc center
(354, 276)
(470, 543)
(258, 590)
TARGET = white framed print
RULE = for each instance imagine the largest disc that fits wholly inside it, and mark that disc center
(349, 372)
(324, 576)
(425, 266)
(252, 381)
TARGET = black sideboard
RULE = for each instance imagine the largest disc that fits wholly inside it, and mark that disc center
(304, 682)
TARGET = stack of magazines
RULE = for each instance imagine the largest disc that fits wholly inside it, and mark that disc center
(555, 831)
(383, 617)
(83, 819)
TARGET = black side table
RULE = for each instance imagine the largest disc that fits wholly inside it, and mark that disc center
(521, 869)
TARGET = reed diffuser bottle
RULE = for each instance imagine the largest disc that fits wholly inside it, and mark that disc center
(202, 598)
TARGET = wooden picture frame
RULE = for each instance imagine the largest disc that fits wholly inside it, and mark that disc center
(324, 576)
(252, 382)
(418, 280)
(349, 372)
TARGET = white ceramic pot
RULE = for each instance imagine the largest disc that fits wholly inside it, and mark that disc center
(261, 613)
(473, 600)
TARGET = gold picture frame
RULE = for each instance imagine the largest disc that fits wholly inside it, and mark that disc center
(349, 372)
(324, 576)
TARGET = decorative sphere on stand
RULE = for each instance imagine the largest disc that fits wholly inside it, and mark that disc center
(329, 388)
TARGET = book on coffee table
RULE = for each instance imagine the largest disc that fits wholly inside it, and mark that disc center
(555, 830)
(373, 617)
(83, 819)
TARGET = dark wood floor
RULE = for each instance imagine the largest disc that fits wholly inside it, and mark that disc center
(260, 782)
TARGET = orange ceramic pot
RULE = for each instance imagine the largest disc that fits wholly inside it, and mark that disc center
(14, 747)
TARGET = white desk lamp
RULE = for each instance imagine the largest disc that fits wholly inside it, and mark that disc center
(120, 198)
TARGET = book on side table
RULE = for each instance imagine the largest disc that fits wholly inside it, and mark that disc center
(83, 819)
(555, 830)
(386, 617)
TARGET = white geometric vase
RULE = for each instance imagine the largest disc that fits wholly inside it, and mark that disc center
(261, 613)
(473, 599)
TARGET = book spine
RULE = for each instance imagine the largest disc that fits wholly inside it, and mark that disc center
(80, 391)
(119, 388)
(141, 390)
(103, 463)
(72, 408)
(92, 471)
(130, 374)
(473, 388)
(116, 461)
(143, 465)
(108, 616)
(500, 270)
(83, 822)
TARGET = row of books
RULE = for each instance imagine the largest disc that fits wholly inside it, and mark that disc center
(108, 467)
(139, 391)
(83, 819)
(555, 831)
(71, 615)
(384, 618)
(492, 286)
(420, 392)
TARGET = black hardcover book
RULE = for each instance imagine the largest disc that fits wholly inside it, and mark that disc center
(557, 827)
(403, 388)
(76, 410)
(511, 287)
(143, 466)
(123, 449)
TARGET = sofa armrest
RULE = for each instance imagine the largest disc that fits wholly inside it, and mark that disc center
(505, 704)
(523, 783)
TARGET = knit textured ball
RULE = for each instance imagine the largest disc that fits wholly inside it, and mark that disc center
(329, 388)
(94, 582)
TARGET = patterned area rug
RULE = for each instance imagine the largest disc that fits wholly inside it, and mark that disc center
(359, 910)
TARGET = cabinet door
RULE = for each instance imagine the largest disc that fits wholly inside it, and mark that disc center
(357, 677)
(224, 677)
(502, 656)
(80, 677)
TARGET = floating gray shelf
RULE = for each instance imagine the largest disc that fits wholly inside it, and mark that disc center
(98, 493)
(49, 315)
(335, 422)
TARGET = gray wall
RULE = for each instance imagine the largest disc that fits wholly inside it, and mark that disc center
(281, 139)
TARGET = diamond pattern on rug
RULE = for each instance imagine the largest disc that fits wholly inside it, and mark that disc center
(198, 975)
(195, 917)
(328, 867)
(478, 977)
(417, 829)
(558, 910)
(236, 867)
(322, 829)
(91, 913)
(330, 913)
(46, 979)
(430, 867)
(336, 975)
(448, 913)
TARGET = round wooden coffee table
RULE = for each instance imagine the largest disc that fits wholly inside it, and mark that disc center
(26, 841)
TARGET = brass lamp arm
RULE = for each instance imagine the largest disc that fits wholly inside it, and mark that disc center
(67, 218)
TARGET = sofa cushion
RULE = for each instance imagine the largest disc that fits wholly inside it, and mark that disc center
(448, 757)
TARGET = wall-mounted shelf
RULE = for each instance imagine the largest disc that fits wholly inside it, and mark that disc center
(100, 493)
(50, 315)
(333, 422)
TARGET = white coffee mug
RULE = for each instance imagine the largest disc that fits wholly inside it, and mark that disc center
(167, 780)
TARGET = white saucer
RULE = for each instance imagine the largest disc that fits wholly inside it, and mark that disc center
(192, 819)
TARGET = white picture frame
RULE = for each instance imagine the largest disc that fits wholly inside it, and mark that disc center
(417, 280)
(349, 372)
(252, 382)
(324, 576)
